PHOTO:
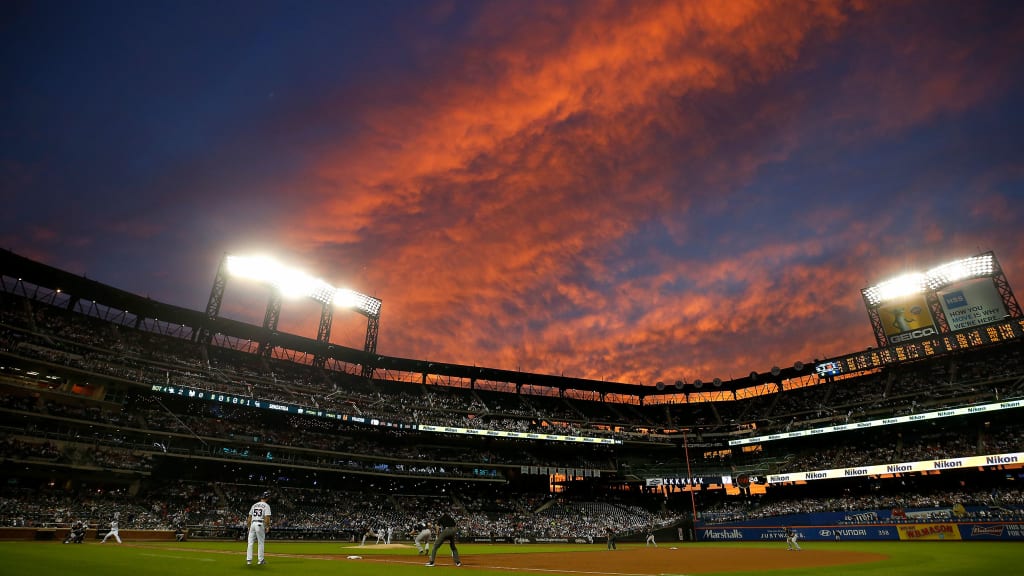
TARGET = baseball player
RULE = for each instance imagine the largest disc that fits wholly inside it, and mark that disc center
(381, 535)
(259, 524)
(422, 538)
(650, 538)
(76, 535)
(791, 538)
(369, 532)
(113, 531)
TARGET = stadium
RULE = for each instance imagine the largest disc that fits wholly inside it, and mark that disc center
(175, 420)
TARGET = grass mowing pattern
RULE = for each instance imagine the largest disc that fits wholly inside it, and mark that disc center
(298, 559)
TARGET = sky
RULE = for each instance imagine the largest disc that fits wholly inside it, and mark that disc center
(629, 191)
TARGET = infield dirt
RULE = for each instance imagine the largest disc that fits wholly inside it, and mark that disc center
(651, 561)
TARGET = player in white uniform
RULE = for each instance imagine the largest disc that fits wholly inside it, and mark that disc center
(113, 532)
(650, 538)
(259, 524)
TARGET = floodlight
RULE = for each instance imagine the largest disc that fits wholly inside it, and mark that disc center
(295, 284)
(966, 268)
(917, 282)
(292, 283)
(912, 283)
(322, 291)
(258, 268)
(351, 299)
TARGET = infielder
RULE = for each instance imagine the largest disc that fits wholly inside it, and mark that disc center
(791, 538)
(422, 538)
(259, 524)
(113, 532)
(650, 538)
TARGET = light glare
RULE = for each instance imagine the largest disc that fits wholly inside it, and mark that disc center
(292, 283)
(918, 282)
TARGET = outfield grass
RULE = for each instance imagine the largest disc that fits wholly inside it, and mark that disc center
(286, 558)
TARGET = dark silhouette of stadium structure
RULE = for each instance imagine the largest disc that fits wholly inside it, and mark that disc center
(161, 391)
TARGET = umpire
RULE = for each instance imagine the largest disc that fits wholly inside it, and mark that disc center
(446, 530)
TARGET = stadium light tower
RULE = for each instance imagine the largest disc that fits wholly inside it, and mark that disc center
(287, 282)
(955, 295)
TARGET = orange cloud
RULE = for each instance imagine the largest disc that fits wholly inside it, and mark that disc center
(499, 195)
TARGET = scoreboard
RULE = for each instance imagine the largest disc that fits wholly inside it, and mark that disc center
(932, 346)
(956, 305)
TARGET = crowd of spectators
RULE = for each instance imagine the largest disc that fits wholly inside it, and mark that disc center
(219, 509)
(125, 426)
(966, 505)
(90, 344)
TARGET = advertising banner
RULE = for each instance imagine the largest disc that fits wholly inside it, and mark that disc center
(808, 533)
(1013, 458)
(992, 531)
(906, 319)
(971, 303)
(698, 481)
(943, 531)
(945, 413)
(908, 532)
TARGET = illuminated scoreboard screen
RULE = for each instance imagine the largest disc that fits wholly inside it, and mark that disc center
(955, 305)
(829, 368)
(932, 346)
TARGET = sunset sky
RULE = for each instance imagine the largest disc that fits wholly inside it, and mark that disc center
(631, 191)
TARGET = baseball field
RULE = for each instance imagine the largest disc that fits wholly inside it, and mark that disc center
(673, 559)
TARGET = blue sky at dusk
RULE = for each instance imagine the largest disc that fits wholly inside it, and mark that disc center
(629, 191)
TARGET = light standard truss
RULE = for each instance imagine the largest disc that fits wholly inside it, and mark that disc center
(290, 283)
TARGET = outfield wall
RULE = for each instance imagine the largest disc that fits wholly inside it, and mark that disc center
(908, 532)
(90, 536)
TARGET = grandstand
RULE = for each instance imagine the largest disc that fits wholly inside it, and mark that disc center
(167, 416)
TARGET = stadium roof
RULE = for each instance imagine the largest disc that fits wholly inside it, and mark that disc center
(79, 288)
